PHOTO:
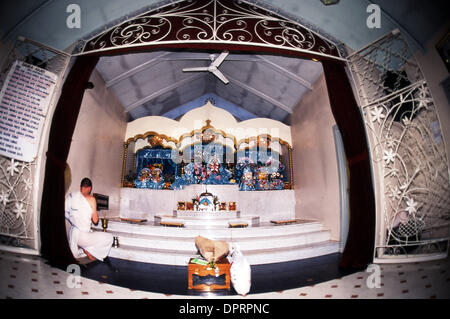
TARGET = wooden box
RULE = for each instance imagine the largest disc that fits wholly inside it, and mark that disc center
(206, 279)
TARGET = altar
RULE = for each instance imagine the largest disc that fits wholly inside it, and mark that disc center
(209, 175)
(148, 203)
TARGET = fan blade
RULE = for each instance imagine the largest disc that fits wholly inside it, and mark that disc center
(220, 59)
(220, 76)
(195, 69)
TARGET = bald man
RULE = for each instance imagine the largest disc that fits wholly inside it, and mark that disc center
(81, 211)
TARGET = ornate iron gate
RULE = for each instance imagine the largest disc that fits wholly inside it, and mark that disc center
(409, 159)
(19, 181)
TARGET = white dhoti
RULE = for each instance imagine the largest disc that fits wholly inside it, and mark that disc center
(79, 213)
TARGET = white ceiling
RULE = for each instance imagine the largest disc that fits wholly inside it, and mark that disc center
(263, 85)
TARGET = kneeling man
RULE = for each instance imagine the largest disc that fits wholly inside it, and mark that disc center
(80, 211)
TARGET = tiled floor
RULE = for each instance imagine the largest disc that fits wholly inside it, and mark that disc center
(23, 276)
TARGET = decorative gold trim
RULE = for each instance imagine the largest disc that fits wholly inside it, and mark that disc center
(203, 129)
(216, 131)
(149, 133)
(258, 137)
(125, 151)
(291, 167)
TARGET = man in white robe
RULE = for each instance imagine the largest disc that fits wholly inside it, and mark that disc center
(81, 211)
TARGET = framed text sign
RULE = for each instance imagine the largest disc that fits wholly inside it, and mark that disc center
(24, 101)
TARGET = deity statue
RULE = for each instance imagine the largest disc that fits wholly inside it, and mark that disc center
(247, 181)
(217, 174)
(200, 173)
(276, 181)
(206, 202)
(150, 177)
(143, 178)
(276, 175)
(187, 178)
(262, 178)
(156, 180)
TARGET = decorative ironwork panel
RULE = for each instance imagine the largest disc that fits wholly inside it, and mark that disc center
(407, 148)
(16, 186)
(212, 21)
(18, 179)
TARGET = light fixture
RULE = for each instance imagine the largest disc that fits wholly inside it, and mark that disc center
(329, 2)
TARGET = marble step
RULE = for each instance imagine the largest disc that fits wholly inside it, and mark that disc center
(208, 215)
(254, 257)
(213, 232)
(218, 221)
(257, 242)
(267, 256)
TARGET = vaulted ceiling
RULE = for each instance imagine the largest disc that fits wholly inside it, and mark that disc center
(262, 85)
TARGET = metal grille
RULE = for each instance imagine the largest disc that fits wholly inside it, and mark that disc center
(19, 180)
(408, 152)
(208, 22)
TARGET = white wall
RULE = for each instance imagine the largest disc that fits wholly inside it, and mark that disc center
(314, 159)
(97, 145)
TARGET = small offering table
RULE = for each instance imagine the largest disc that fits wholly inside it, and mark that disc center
(204, 278)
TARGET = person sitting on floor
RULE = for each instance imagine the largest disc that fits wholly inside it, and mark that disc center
(81, 211)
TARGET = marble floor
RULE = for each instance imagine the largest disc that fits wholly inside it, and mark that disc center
(29, 277)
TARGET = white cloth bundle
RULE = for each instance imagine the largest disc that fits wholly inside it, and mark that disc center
(240, 271)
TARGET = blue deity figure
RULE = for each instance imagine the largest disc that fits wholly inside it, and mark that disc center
(187, 178)
(247, 182)
(225, 174)
(143, 178)
(150, 178)
(216, 173)
(276, 176)
(156, 180)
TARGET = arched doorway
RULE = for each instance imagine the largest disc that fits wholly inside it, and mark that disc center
(218, 25)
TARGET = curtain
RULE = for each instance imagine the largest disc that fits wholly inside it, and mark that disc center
(54, 243)
(359, 248)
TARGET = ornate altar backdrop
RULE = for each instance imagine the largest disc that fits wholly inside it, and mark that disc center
(244, 153)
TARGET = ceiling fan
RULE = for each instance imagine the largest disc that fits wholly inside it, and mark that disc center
(213, 67)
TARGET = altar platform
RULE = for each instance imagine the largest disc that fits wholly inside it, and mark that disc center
(148, 203)
(207, 219)
(262, 223)
(265, 243)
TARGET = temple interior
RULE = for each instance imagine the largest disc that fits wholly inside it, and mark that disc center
(313, 148)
